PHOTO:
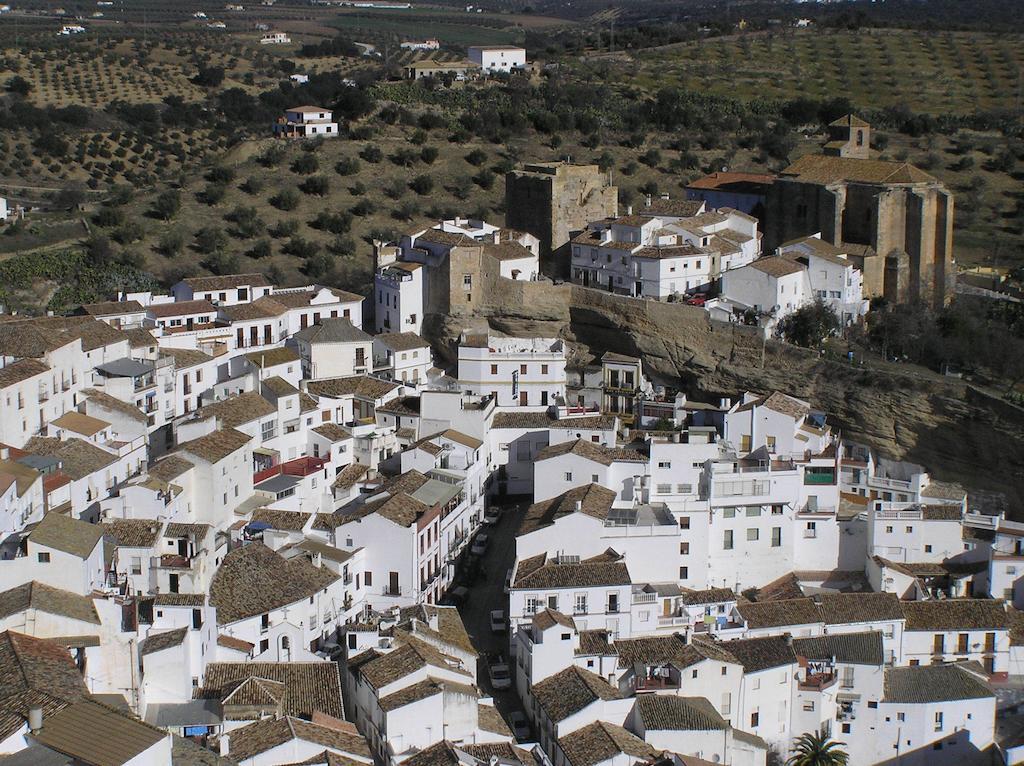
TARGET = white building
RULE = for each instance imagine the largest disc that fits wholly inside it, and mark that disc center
(658, 256)
(306, 122)
(402, 356)
(334, 348)
(421, 45)
(497, 58)
(516, 371)
(398, 290)
(275, 38)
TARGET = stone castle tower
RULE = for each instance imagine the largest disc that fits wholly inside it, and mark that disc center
(893, 218)
(554, 200)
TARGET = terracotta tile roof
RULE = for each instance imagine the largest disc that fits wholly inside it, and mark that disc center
(44, 598)
(656, 650)
(570, 691)
(237, 644)
(411, 656)
(76, 422)
(158, 642)
(822, 169)
(725, 181)
(755, 654)
(23, 369)
(448, 238)
(63, 533)
(179, 599)
(78, 458)
(26, 339)
(595, 642)
(708, 596)
(364, 386)
(228, 281)
(464, 439)
(254, 692)
(507, 251)
(34, 672)
(185, 357)
(184, 529)
(548, 618)
(170, 468)
(944, 490)
(350, 475)
(588, 449)
(308, 687)
(774, 614)
(544, 420)
(776, 266)
(272, 357)
(956, 614)
(111, 308)
(333, 330)
(261, 308)
(601, 742)
(855, 648)
(133, 533)
(669, 713)
(105, 401)
(333, 432)
(254, 580)
(840, 608)
(922, 684)
(139, 337)
(261, 736)
(447, 753)
(676, 208)
(451, 631)
(425, 689)
(181, 308)
(236, 410)
(216, 445)
(586, 574)
(91, 732)
(593, 499)
(286, 521)
(489, 719)
(401, 341)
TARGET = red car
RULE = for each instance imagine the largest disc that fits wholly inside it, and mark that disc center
(697, 300)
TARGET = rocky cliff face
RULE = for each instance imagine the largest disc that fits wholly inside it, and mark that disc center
(908, 413)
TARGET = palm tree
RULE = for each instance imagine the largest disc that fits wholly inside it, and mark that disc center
(818, 749)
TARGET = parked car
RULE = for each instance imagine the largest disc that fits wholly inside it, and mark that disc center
(480, 544)
(457, 596)
(500, 676)
(492, 515)
(498, 624)
(519, 725)
(697, 300)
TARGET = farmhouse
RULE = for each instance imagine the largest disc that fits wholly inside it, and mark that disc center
(306, 122)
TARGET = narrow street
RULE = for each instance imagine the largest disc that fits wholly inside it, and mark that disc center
(487, 594)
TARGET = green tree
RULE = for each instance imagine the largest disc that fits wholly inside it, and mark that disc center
(167, 204)
(818, 749)
(809, 325)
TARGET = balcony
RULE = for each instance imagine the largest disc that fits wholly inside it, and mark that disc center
(817, 682)
(816, 478)
(392, 590)
(648, 684)
(174, 561)
(301, 467)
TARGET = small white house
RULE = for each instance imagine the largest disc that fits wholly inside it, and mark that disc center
(517, 371)
(306, 122)
(497, 58)
(275, 38)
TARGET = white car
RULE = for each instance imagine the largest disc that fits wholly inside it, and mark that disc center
(519, 725)
(500, 676)
(480, 544)
(498, 621)
(491, 515)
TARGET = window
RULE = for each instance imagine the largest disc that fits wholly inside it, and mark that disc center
(726, 703)
(809, 706)
(725, 670)
(368, 577)
(595, 479)
(729, 513)
(532, 602)
(873, 704)
(568, 475)
(543, 369)
(43, 557)
(467, 280)
(684, 549)
(693, 673)
(727, 542)
(901, 716)
(684, 573)
(776, 537)
(494, 369)
(846, 681)
(753, 510)
(755, 718)
(579, 605)
(684, 522)
(684, 489)
(522, 369)
(664, 489)
(938, 721)
(753, 534)
(664, 464)
(927, 549)
(136, 565)
(888, 530)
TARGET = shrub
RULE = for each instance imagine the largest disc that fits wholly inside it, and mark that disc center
(335, 223)
(319, 266)
(485, 179)
(406, 211)
(108, 218)
(262, 249)
(305, 164)
(395, 189)
(477, 157)
(171, 242)
(809, 325)
(167, 204)
(347, 166)
(253, 185)
(247, 221)
(285, 228)
(301, 248)
(372, 153)
(342, 246)
(213, 194)
(405, 158)
(422, 184)
(429, 154)
(363, 207)
(272, 155)
(286, 199)
(130, 231)
(316, 185)
(221, 263)
(210, 239)
(221, 175)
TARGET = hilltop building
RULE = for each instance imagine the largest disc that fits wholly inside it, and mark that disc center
(895, 220)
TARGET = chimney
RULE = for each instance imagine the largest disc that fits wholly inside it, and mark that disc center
(35, 719)
(225, 744)
(579, 505)
(629, 210)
